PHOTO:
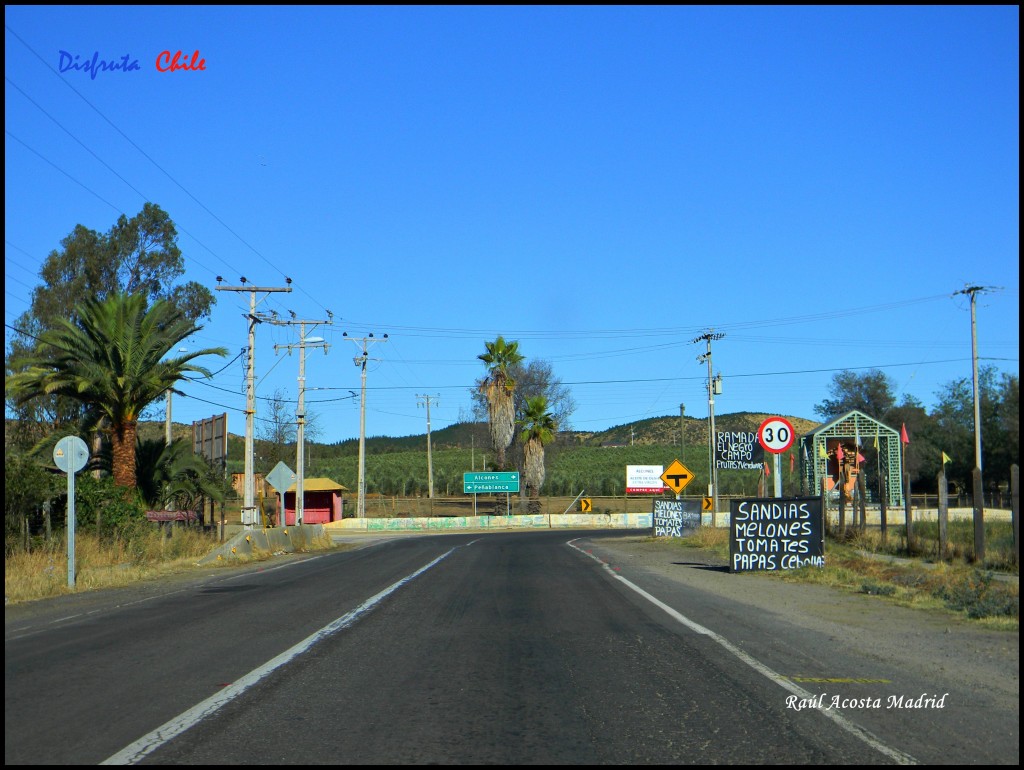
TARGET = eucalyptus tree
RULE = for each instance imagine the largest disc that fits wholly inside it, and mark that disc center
(498, 388)
(539, 427)
(111, 359)
(871, 392)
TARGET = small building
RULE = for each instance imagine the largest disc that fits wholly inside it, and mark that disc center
(322, 501)
(259, 485)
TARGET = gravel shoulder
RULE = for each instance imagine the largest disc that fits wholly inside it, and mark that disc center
(922, 638)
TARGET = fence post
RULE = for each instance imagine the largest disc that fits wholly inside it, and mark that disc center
(908, 508)
(842, 503)
(943, 512)
(883, 504)
(863, 493)
(1015, 509)
(979, 515)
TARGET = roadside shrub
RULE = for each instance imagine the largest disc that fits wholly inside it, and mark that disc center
(120, 509)
(877, 589)
(981, 597)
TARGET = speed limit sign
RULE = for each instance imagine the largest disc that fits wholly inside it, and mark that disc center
(776, 435)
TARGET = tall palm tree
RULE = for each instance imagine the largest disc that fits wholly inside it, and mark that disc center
(498, 387)
(539, 429)
(111, 358)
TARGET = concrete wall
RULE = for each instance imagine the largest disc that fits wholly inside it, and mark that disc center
(539, 521)
(243, 543)
(895, 516)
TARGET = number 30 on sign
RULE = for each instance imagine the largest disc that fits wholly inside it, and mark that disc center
(776, 435)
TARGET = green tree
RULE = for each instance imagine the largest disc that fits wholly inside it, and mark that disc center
(111, 359)
(27, 486)
(137, 255)
(1000, 425)
(498, 388)
(539, 427)
(869, 392)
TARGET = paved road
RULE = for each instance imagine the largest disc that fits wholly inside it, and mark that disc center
(513, 648)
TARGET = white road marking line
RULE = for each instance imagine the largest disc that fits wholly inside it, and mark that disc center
(149, 743)
(856, 730)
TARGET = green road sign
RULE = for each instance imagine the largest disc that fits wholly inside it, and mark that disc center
(489, 482)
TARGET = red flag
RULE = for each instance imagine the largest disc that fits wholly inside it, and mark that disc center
(860, 457)
(903, 434)
(767, 473)
(839, 453)
(792, 461)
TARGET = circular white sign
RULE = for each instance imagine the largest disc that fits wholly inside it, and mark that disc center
(71, 454)
(776, 435)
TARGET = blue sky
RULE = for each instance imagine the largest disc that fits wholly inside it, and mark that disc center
(602, 184)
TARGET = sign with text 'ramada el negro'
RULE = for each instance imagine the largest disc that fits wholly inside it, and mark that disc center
(738, 450)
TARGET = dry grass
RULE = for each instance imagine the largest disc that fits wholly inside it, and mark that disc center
(861, 565)
(141, 555)
(958, 588)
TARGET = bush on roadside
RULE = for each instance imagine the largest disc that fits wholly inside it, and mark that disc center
(981, 597)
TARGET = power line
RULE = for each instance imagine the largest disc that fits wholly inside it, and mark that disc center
(149, 158)
(249, 494)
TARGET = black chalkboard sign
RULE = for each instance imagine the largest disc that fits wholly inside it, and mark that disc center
(738, 451)
(676, 518)
(776, 533)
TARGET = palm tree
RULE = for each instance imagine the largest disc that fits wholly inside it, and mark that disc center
(111, 358)
(172, 473)
(539, 428)
(498, 387)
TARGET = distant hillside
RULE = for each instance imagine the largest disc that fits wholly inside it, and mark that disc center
(654, 431)
(664, 431)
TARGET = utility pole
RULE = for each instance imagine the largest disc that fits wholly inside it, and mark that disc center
(168, 438)
(682, 410)
(300, 413)
(978, 487)
(167, 413)
(249, 495)
(713, 387)
(360, 361)
(430, 462)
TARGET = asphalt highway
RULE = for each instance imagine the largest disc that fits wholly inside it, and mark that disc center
(511, 648)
